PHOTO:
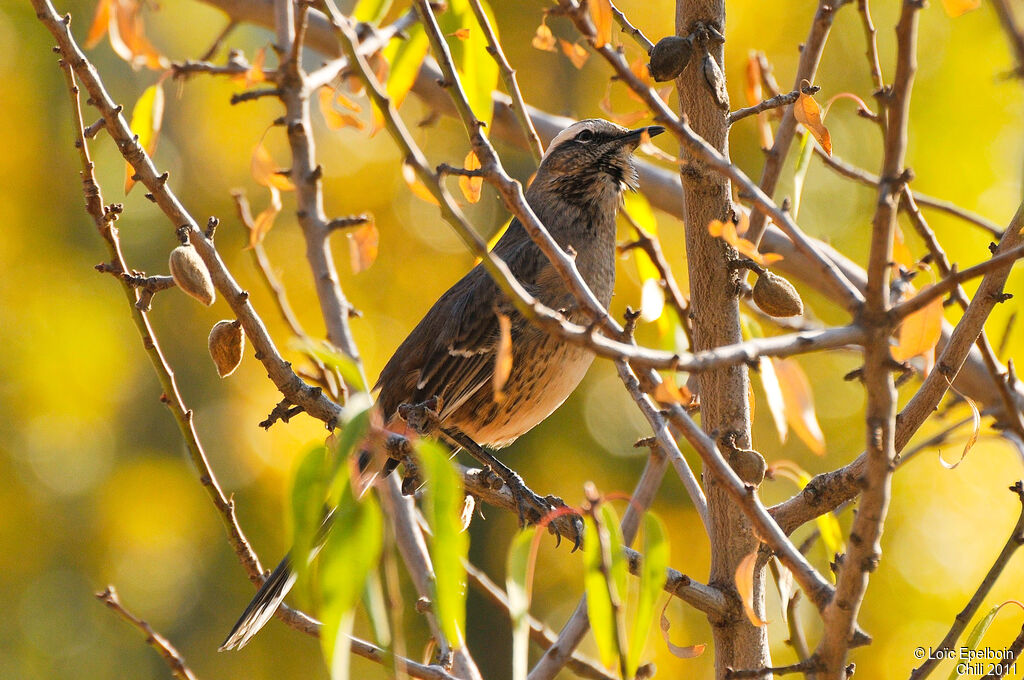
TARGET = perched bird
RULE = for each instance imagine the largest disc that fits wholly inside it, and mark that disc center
(451, 353)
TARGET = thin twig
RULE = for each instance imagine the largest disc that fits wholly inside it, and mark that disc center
(769, 104)
(631, 30)
(171, 656)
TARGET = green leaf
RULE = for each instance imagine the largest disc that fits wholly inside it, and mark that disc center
(804, 162)
(147, 117)
(371, 11)
(351, 434)
(350, 554)
(404, 58)
(333, 359)
(475, 66)
(443, 508)
(599, 603)
(308, 496)
(978, 632)
(518, 584)
(377, 609)
(652, 579)
(619, 567)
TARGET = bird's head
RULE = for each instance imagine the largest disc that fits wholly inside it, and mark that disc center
(591, 156)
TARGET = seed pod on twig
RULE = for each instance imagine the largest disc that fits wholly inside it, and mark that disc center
(227, 340)
(776, 296)
(191, 275)
(669, 57)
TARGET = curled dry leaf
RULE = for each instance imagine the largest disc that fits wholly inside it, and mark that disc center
(601, 14)
(625, 119)
(191, 275)
(471, 186)
(265, 220)
(972, 439)
(502, 357)
(226, 342)
(417, 187)
(727, 232)
(264, 170)
(745, 586)
(543, 39)
(364, 244)
(577, 54)
(461, 34)
(808, 114)
(776, 296)
(691, 652)
(122, 20)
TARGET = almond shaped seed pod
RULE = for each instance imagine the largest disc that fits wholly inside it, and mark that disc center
(227, 341)
(776, 296)
(191, 275)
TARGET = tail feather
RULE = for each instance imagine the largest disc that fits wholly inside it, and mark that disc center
(262, 607)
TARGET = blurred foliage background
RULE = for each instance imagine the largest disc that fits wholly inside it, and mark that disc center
(94, 486)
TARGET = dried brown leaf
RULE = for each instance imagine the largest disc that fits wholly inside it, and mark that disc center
(264, 222)
(364, 244)
(543, 39)
(808, 114)
(919, 332)
(417, 187)
(577, 54)
(745, 586)
(691, 652)
(471, 186)
(264, 170)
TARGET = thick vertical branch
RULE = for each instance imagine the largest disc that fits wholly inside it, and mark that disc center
(716, 320)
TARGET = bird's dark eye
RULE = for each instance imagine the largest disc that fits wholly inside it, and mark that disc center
(585, 136)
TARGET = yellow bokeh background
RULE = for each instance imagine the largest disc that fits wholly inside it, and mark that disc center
(95, 486)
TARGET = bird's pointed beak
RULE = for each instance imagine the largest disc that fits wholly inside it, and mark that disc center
(634, 137)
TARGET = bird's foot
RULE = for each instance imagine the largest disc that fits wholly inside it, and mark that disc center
(532, 509)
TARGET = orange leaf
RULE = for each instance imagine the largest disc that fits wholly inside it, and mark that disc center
(264, 170)
(255, 73)
(727, 232)
(363, 244)
(753, 85)
(265, 220)
(127, 37)
(808, 114)
(773, 395)
(471, 186)
(668, 392)
(502, 357)
(419, 190)
(919, 332)
(691, 652)
(799, 401)
(955, 8)
(543, 39)
(576, 53)
(461, 34)
(335, 119)
(745, 586)
(601, 14)
(100, 22)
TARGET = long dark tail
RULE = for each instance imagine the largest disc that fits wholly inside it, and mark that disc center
(263, 606)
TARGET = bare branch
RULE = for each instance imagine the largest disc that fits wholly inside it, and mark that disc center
(769, 104)
(171, 656)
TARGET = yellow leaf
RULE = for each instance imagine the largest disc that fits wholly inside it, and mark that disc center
(265, 220)
(920, 331)
(264, 170)
(652, 300)
(418, 188)
(127, 37)
(335, 119)
(828, 524)
(808, 114)
(691, 652)
(955, 8)
(773, 395)
(576, 53)
(255, 73)
(364, 244)
(543, 39)
(147, 117)
(799, 401)
(601, 14)
(502, 357)
(403, 59)
(100, 22)
(461, 34)
(745, 587)
(471, 186)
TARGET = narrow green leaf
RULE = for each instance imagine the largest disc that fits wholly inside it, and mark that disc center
(404, 58)
(804, 162)
(308, 496)
(518, 585)
(333, 359)
(351, 434)
(371, 11)
(652, 578)
(377, 609)
(349, 555)
(476, 68)
(599, 604)
(978, 632)
(619, 567)
(450, 545)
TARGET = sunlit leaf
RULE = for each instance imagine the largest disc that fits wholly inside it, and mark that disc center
(126, 30)
(363, 244)
(263, 222)
(828, 524)
(334, 118)
(377, 608)
(404, 58)
(972, 439)
(652, 578)
(648, 147)
(147, 117)
(727, 232)
(599, 602)
(333, 359)
(419, 190)
(502, 357)
(100, 22)
(668, 392)
(519, 586)
(652, 300)
(577, 54)
(461, 34)
(449, 545)
(255, 73)
(543, 39)
(919, 332)
(264, 170)
(677, 651)
(476, 68)
(955, 8)
(785, 585)
(351, 552)
(638, 67)
(625, 119)
(745, 587)
(799, 400)
(808, 114)
(471, 186)
(308, 498)
(371, 11)
(752, 86)
(976, 634)
(601, 14)
(773, 397)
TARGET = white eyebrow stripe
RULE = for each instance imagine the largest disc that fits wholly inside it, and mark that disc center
(565, 135)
